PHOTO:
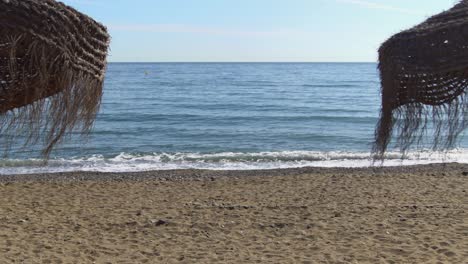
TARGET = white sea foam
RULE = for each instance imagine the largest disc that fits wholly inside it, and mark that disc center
(126, 162)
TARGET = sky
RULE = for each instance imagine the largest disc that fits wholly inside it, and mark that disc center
(254, 30)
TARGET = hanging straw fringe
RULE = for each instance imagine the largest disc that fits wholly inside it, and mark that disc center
(424, 76)
(52, 66)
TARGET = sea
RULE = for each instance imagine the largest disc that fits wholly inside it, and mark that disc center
(230, 116)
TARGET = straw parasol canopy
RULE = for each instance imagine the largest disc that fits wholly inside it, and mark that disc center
(424, 76)
(52, 66)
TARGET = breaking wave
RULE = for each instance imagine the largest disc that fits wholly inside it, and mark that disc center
(133, 162)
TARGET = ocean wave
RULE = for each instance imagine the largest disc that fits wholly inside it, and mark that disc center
(330, 85)
(128, 162)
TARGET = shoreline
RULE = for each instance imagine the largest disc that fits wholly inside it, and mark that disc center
(219, 161)
(416, 214)
(198, 174)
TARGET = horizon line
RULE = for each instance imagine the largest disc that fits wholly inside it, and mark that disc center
(242, 62)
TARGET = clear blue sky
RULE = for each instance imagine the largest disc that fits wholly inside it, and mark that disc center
(254, 30)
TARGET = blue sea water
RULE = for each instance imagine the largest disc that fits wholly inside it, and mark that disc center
(229, 116)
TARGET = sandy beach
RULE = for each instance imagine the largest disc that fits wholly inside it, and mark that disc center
(413, 214)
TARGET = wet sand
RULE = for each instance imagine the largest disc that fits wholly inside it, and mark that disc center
(413, 214)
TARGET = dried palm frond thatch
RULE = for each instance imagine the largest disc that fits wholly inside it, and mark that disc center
(52, 66)
(424, 76)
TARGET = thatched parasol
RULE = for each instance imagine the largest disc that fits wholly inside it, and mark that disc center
(424, 76)
(52, 65)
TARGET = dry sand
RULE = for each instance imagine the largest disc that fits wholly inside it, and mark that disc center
(386, 215)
